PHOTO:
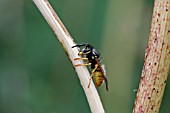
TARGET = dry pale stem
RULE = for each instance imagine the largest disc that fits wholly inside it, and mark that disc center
(67, 42)
(157, 60)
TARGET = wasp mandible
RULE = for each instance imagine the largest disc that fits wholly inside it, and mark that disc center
(92, 58)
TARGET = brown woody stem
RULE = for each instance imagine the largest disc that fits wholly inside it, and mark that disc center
(157, 60)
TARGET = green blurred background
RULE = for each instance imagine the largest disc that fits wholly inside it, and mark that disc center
(35, 73)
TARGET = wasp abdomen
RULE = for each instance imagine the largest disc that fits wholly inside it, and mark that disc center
(98, 78)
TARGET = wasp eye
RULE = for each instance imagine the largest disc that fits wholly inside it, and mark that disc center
(86, 50)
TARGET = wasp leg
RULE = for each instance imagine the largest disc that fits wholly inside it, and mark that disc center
(83, 64)
(90, 80)
(96, 66)
(81, 59)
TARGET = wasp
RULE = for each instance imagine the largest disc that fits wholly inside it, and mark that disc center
(91, 57)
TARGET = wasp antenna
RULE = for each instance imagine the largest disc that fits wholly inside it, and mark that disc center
(79, 45)
(73, 46)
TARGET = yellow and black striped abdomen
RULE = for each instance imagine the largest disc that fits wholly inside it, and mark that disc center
(98, 78)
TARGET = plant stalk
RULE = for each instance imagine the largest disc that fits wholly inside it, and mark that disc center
(156, 62)
(67, 42)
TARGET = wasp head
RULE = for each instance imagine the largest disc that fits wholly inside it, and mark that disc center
(87, 49)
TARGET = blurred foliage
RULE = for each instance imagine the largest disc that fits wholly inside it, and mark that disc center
(35, 73)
